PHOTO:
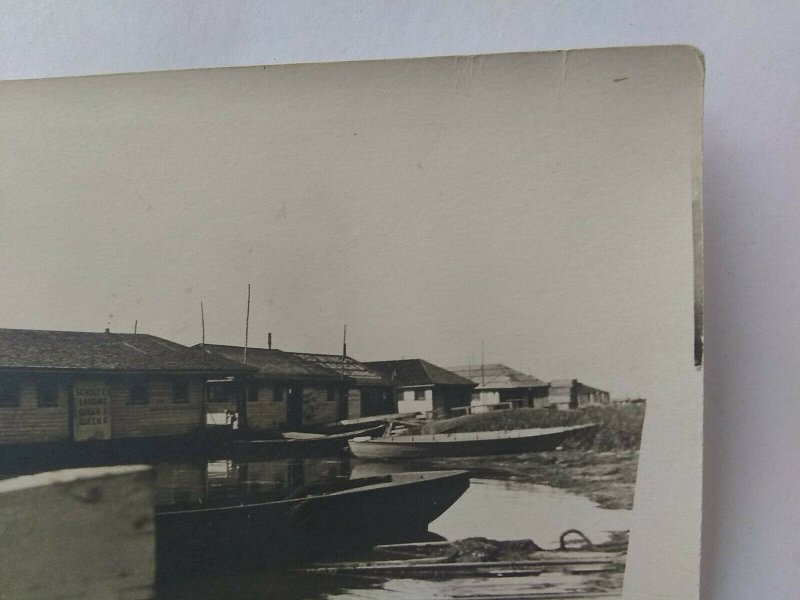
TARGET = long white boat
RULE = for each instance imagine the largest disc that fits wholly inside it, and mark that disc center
(473, 443)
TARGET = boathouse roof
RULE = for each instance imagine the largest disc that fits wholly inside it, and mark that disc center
(347, 366)
(417, 372)
(31, 349)
(276, 364)
(497, 376)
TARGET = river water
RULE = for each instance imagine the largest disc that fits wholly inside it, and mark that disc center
(491, 508)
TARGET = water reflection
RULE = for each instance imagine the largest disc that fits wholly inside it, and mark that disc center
(224, 482)
(490, 508)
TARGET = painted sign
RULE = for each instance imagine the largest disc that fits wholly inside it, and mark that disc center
(92, 419)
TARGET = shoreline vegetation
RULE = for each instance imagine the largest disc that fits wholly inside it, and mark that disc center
(600, 464)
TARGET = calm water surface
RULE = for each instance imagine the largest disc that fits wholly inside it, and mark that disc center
(494, 509)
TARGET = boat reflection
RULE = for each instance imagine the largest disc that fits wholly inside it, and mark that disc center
(225, 482)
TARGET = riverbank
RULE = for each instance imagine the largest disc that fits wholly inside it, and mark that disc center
(606, 478)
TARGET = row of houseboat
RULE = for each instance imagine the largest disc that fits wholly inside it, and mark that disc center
(60, 386)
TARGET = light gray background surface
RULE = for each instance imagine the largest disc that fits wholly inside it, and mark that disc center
(751, 183)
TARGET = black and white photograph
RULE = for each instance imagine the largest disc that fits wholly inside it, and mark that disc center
(421, 328)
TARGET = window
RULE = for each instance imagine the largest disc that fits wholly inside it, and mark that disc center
(277, 393)
(180, 392)
(139, 393)
(419, 395)
(331, 394)
(47, 392)
(9, 394)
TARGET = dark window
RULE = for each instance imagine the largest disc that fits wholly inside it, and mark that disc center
(47, 393)
(180, 392)
(419, 395)
(9, 394)
(331, 394)
(277, 393)
(139, 393)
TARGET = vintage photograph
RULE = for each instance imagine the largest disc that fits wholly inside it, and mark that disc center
(388, 329)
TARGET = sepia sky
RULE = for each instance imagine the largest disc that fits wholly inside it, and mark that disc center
(539, 202)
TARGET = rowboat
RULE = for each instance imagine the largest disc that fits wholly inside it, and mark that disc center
(327, 522)
(297, 444)
(475, 443)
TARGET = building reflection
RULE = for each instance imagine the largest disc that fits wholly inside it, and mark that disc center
(226, 482)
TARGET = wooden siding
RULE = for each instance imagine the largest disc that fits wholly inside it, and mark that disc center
(30, 422)
(317, 409)
(267, 412)
(160, 416)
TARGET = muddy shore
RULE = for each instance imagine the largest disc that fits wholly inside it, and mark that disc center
(607, 478)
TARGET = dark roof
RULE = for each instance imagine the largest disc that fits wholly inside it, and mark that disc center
(347, 366)
(276, 364)
(87, 351)
(497, 376)
(415, 371)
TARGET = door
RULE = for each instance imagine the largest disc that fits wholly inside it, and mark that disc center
(294, 407)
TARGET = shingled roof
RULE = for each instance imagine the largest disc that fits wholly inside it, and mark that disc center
(347, 366)
(276, 364)
(497, 376)
(415, 371)
(30, 349)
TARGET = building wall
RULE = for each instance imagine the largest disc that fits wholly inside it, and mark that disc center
(561, 395)
(317, 407)
(161, 415)
(269, 410)
(30, 422)
(407, 401)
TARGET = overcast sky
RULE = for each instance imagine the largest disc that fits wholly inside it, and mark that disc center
(541, 203)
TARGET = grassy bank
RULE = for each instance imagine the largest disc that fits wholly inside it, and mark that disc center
(607, 478)
(619, 427)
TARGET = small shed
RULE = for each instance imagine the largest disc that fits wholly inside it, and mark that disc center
(497, 383)
(423, 387)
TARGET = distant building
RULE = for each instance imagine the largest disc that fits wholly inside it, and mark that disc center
(500, 383)
(571, 393)
(422, 387)
(287, 391)
(60, 386)
(368, 394)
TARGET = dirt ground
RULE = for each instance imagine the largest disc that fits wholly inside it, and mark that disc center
(607, 478)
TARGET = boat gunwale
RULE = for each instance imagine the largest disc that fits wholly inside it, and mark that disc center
(473, 436)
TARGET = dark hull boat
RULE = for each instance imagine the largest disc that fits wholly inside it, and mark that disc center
(478, 443)
(359, 514)
(298, 444)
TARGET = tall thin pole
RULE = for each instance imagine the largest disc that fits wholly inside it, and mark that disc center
(135, 326)
(344, 348)
(203, 331)
(483, 377)
(247, 324)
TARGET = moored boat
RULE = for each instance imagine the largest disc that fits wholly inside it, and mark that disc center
(297, 444)
(325, 522)
(473, 443)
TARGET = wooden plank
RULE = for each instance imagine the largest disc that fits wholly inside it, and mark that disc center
(78, 534)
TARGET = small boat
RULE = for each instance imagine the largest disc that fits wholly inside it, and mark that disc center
(317, 522)
(474, 443)
(347, 425)
(297, 444)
